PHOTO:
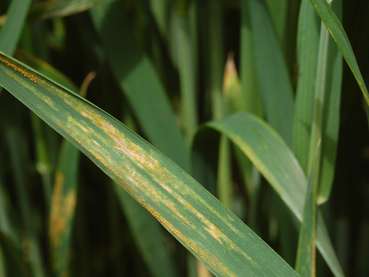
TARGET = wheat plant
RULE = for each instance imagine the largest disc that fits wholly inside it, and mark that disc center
(184, 138)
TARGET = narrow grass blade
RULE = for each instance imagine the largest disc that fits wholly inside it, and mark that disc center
(231, 95)
(275, 161)
(272, 72)
(251, 101)
(306, 257)
(144, 229)
(11, 31)
(224, 178)
(62, 208)
(139, 81)
(306, 253)
(331, 117)
(186, 68)
(319, 102)
(174, 198)
(339, 35)
(307, 51)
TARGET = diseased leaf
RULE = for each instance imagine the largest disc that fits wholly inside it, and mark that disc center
(174, 198)
(62, 207)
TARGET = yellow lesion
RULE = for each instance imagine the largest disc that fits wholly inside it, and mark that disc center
(62, 209)
(26, 73)
(162, 176)
(153, 167)
(206, 256)
(156, 196)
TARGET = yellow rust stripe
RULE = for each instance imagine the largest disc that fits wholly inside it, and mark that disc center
(26, 73)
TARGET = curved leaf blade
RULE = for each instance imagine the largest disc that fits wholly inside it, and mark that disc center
(190, 213)
(276, 162)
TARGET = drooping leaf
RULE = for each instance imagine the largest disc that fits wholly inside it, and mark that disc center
(275, 161)
(174, 198)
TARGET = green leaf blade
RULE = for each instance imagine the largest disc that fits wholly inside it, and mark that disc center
(12, 29)
(308, 41)
(272, 72)
(173, 197)
(338, 33)
(275, 161)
